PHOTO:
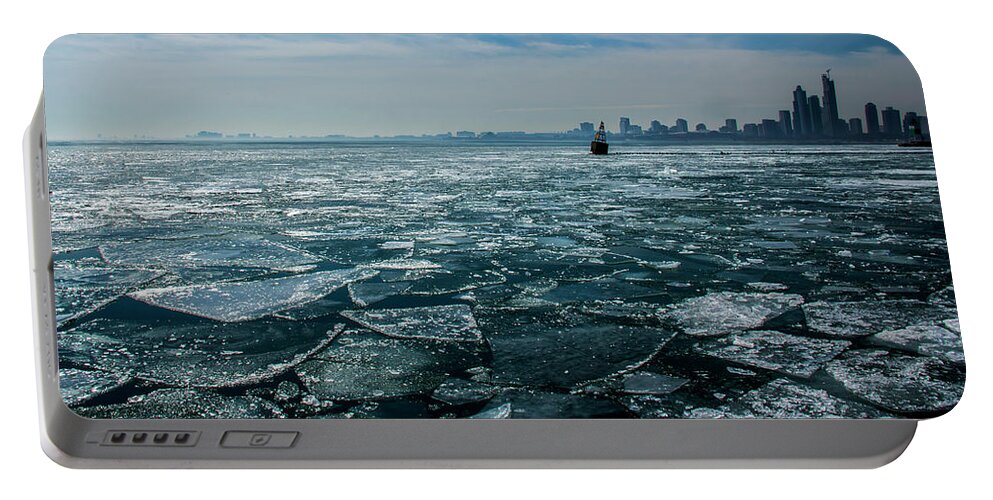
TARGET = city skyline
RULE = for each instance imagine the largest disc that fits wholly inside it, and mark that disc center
(173, 86)
(809, 120)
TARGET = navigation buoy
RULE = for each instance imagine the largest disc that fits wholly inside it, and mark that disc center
(599, 144)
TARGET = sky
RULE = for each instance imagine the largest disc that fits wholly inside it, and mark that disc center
(169, 86)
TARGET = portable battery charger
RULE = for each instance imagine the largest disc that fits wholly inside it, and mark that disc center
(436, 251)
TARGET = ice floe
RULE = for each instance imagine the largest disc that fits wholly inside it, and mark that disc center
(245, 301)
(453, 322)
(365, 294)
(527, 403)
(785, 399)
(721, 313)
(570, 351)
(457, 391)
(83, 287)
(193, 354)
(925, 339)
(498, 412)
(645, 382)
(230, 250)
(863, 318)
(899, 382)
(185, 404)
(80, 386)
(362, 364)
(776, 351)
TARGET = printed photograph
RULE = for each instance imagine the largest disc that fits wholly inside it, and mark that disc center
(496, 226)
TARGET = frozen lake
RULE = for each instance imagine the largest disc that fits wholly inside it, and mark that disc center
(496, 281)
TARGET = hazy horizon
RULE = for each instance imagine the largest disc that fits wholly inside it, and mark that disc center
(170, 86)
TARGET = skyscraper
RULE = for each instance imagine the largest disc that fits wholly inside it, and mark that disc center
(586, 127)
(871, 120)
(731, 124)
(801, 113)
(769, 129)
(891, 122)
(909, 124)
(625, 124)
(831, 126)
(855, 127)
(816, 122)
(682, 125)
(656, 127)
(785, 123)
(925, 128)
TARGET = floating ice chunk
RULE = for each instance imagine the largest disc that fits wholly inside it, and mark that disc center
(82, 288)
(404, 264)
(87, 347)
(500, 412)
(364, 294)
(784, 399)
(362, 365)
(603, 289)
(721, 313)
(644, 382)
(953, 325)
(286, 391)
(767, 287)
(396, 245)
(324, 306)
(444, 284)
(568, 352)
(663, 265)
(229, 251)
(524, 403)
(771, 350)
(775, 245)
(925, 339)
(740, 371)
(944, 297)
(185, 404)
(453, 322)
(245, 301)
(899, 382)
(864, 318)
(79, 386)
(458, 391)
(193, 354)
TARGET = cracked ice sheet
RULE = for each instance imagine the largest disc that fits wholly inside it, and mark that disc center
(727, 312)
(927, 340)
(193, 354)
(186, 404)
(899, 382)
(863, 318)
(245, 301)
(444, 323)
(771, 350)
(79, 386)
(361, 364)
(226, 251)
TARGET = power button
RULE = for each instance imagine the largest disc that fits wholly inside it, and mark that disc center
(260, 439)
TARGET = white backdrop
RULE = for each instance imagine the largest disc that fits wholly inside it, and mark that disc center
(947, 41)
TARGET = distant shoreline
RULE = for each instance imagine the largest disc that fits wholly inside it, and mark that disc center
(703, 141)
